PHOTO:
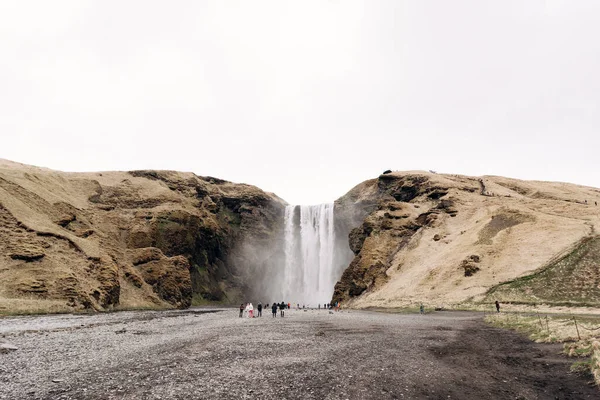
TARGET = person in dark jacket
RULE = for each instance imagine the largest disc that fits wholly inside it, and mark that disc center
(497, 306)
(281, 309)
(259, 308)
(274, 309)
(242, 310)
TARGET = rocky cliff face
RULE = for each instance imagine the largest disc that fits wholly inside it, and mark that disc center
(136, 239)
(449, 239)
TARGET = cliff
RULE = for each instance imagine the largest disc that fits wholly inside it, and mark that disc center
(450, 239)
(156, 239)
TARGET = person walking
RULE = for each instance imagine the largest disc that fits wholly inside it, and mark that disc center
(274, 309)
(497, 306)
(241, 310)
(282, 309)
(259, 307)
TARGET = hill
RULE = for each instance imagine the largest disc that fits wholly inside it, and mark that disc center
(450, 239)
(139, 239)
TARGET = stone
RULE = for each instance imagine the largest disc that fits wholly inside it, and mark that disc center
(7, 347)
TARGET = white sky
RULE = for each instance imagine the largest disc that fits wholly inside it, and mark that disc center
(304, 98)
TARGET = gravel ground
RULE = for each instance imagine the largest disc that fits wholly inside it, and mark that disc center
(213, 354)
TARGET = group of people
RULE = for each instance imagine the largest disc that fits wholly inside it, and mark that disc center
(247, 309)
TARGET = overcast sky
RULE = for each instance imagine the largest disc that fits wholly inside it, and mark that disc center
(306, 98)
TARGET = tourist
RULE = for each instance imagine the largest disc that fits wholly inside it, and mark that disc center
(274, 309)
(281, 309)
(289, 306)
(422, 309)
(250, 310)
(241, 310)
(497, 306)
(259, 307)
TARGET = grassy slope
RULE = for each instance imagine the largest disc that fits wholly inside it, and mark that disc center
(572, 279)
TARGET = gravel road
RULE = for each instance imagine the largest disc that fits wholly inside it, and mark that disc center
(213, 354)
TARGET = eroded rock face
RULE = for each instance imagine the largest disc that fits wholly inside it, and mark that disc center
(137, 239)
(391, 206)
(169, 278)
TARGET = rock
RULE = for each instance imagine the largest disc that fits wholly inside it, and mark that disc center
(27, 254)
(65, 219)
(469, 264)
(7, 347)
(170, 279)
(145, 255)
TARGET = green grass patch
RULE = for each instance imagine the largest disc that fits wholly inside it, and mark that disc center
(570, 280)
(582, 367)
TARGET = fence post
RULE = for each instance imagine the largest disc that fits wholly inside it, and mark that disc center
(576, 327)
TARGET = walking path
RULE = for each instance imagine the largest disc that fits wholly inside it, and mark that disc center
(306, 355)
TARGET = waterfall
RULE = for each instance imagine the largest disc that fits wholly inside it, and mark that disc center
(309, 276)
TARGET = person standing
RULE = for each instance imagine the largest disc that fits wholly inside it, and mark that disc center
(241, 310)
(274, 309)
(259, 307)
(497, 306)
(282, 309)
(422, 309)
(250, 311)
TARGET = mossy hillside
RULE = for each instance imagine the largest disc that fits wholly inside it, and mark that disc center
(573, 279)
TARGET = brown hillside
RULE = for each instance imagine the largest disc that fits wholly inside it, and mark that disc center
(448, 239)
(138, 239)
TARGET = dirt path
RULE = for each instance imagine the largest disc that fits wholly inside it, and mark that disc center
(307, 355)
